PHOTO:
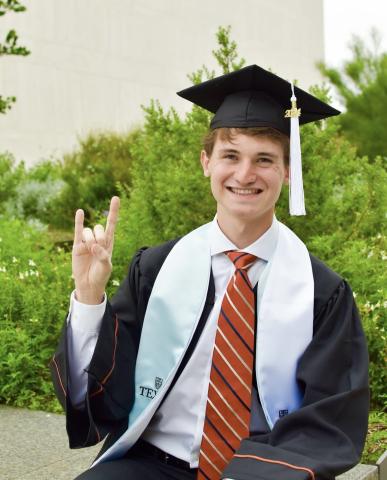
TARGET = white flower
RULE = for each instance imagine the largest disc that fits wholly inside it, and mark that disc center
(370, 254)
(14, 260)
(354, 294)
(21, 276)
(116, 283)
(31, 263)
(3, 269)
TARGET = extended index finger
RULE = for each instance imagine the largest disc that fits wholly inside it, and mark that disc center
(112, 219)
(78, 226)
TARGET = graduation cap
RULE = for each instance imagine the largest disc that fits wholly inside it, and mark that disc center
(254, 97)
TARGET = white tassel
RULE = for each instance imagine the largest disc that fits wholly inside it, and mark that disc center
(296, 188)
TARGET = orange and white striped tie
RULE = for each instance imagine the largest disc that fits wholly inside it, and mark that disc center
(229, 393)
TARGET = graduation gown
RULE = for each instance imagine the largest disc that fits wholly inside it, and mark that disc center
(321, 439)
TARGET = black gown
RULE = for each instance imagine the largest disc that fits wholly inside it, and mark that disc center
(322, 439)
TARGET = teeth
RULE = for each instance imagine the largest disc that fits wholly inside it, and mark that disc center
(244, 191)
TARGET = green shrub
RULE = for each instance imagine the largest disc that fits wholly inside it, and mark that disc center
(10, 177)
(375, 327)
(49, 192)
(36, 193)
(35, 279)
(362, 263)
(90, 176)
(376, 439)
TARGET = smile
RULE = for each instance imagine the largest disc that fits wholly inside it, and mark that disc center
(244, 191)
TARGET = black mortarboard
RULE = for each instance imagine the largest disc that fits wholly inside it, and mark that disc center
(254, 97)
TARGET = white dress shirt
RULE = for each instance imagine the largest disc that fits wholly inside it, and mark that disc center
(177, 426)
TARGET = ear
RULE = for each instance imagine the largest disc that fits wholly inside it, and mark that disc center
(204, 160)
(286, 178)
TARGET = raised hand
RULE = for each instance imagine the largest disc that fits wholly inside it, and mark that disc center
(92, 254)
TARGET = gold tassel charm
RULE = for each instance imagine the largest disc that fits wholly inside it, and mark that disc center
(293, 112)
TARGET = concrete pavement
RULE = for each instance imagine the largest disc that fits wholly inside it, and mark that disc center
(33, 446)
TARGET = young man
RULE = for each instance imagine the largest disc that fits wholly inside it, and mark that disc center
(231, 352)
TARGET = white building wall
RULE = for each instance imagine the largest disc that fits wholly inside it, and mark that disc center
(93, 63)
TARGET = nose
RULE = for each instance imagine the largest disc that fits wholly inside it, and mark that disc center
(245, 173)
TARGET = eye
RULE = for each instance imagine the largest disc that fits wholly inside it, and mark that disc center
(265, 161)
(230, 156)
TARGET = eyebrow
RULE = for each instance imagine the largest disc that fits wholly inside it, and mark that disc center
(268, 154)
(233, 150)
(228, 150)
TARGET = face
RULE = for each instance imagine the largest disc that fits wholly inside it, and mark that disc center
(246, 176)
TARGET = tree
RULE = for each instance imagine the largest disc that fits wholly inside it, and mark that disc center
(10, 45)
(361, 85)
(226, 56)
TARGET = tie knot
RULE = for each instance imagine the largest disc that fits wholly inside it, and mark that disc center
(241, 260)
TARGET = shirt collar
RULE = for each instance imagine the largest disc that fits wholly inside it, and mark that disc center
(263, 247)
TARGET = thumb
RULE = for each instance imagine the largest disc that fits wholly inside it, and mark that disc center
(100, 253)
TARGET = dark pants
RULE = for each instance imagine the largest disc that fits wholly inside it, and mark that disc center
(137, 466)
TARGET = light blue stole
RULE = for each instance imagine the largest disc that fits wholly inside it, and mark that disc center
(284, 327)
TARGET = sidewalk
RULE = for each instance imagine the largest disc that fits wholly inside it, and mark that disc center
(33, 446)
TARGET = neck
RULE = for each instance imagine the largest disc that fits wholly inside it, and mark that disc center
(242, 233)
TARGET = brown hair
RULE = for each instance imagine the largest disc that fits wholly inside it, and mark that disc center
(226, 133)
